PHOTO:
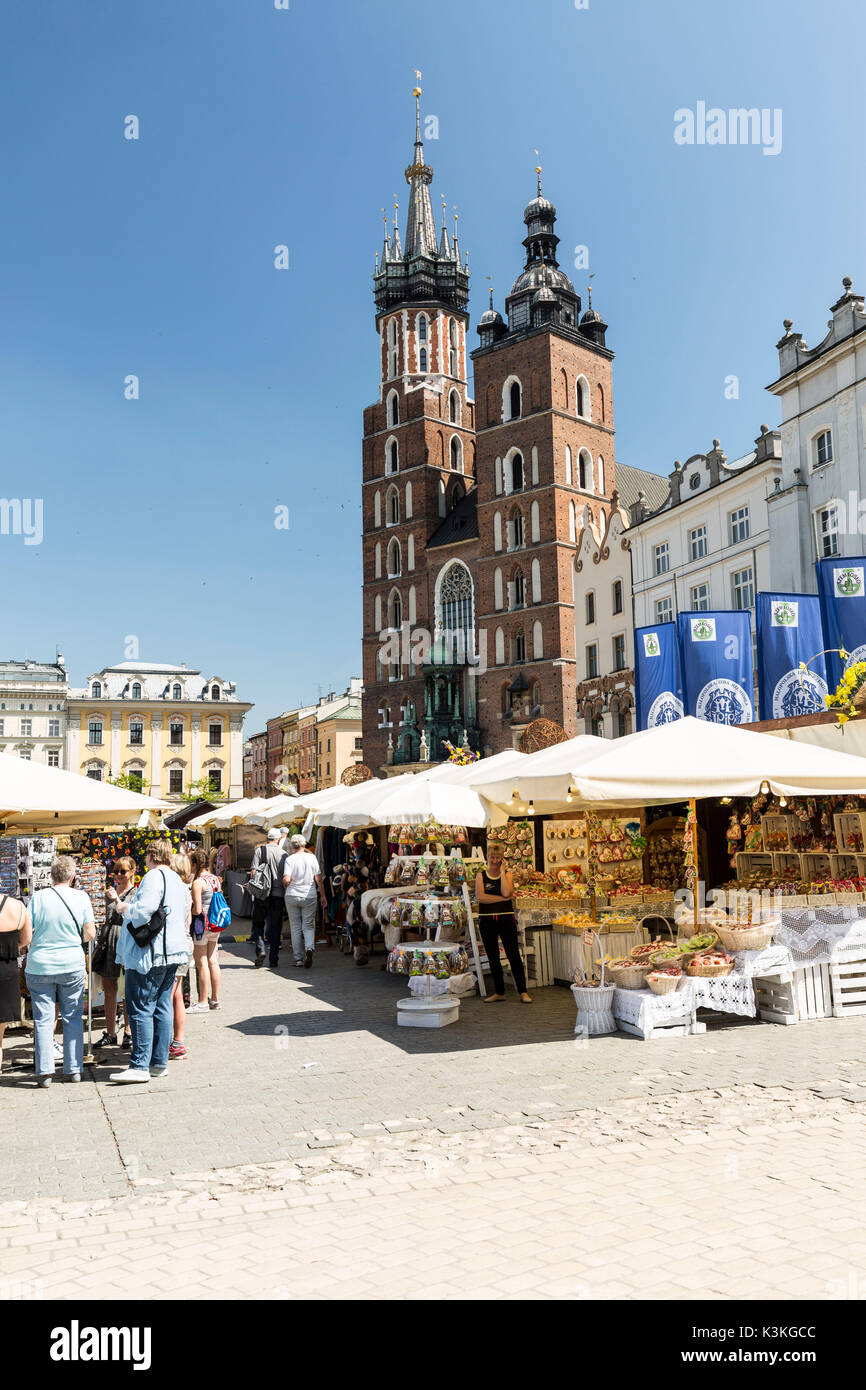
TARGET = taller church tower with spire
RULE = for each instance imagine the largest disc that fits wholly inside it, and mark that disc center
(419, 529)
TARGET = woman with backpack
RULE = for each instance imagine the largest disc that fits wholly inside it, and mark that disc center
(205, 940)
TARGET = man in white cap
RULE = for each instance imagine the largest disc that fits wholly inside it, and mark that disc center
(268, 912)
(302, 879)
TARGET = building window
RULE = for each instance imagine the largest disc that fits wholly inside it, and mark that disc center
(514, 400)
(822, 449)
(54, 728)
(597, 726)
(743, 588)
(518, 649)
(456, 451)
(358, 744)
(664, 610)
(176, 693)
(394, 558)
(582, 396)
(136, 691)
(422, 360)
(515, 531)
(591, 661)
(700, 597)
(175, 734)
(214, 735)
(827, 529)
(452, 340)
(25, 754)
(454, 408)
(95, 773)
(214, 692)
(54, 757)
(393, 408)
(96, 690)
(621, 725)
(392, 457)
(619, 653)
(175, 780)
(392, 507)
(740, 528)
(214, 780)
(2, 726)
(590, 608)
(136, 780)
(617, 596)
(422, 328)
(27, 727)
(136, 731)
(518, 591)
(662, 558)
(584, 471)
(698, 543)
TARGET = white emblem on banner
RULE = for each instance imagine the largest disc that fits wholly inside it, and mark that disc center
(703, 629)
(651, 644)
(785, 613)
(848, 582)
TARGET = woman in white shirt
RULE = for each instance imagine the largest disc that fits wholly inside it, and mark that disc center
(301, 879)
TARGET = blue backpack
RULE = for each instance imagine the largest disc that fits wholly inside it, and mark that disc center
(219, 913)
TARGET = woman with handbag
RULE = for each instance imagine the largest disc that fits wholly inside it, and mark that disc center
(206, 942)
(104, 960)
(152, 943)
(63, 921)
(15, 933)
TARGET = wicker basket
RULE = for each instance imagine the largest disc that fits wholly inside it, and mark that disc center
(708, 972)
(594, 1002)
(665, 984)
(665, 963)
(629, 976)
(753, 938)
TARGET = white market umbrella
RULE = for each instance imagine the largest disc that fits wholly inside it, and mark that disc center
(224, 817)
(543, 778)
(499, 765)
(695, 758)
(410, 799)
(36, 797)
(277, 810)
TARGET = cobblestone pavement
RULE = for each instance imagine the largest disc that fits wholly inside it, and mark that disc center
(309, 1143)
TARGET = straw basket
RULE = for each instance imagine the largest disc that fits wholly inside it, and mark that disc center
(756, 937)
(630, 976)
(708, 972)
(665, 962)
(594, 1003)
(664, 984)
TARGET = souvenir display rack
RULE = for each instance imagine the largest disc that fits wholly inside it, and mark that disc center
(811, 850)
(25, 863)
(90, 878)
(517, 840)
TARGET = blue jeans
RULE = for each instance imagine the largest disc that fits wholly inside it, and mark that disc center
(148, 1003)
(302, 920)
(68, 991)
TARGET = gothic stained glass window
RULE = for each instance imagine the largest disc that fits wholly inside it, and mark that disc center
(455, 597)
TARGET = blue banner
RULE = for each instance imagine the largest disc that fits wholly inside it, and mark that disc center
(789, 631)
(842, 591)
(717, 666)
(658, 680)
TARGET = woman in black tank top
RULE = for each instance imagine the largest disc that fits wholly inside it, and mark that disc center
(494, 889)
(15, 934)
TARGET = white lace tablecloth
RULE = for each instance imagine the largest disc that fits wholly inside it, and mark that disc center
(730, 994)
(812, 934)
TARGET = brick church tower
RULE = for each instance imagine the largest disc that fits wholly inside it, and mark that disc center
(419, 533)
(545, 465)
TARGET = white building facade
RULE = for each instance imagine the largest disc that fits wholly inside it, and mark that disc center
(33, 710)
(819, 510)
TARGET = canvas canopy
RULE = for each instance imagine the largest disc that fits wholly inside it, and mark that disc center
(36, 797)
(543, 777)
(411, 799)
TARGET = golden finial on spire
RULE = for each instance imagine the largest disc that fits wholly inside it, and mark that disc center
(443, 211)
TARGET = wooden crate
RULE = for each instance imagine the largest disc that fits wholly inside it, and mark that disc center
(775, 998)
(848, 976)
(814, 867)
(812, 994)
(850, 828)
(749, 863)
(778, 828)
(844, 865)
(786, 866)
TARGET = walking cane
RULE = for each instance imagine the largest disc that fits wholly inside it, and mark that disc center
(89, 1058)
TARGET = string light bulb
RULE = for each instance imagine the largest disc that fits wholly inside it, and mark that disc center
(568, 796)
(531, 807)
(765, 788)
(783, 801)
(725, 800)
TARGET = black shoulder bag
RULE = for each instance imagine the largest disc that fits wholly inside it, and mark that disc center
(72, 915)
(147, 932)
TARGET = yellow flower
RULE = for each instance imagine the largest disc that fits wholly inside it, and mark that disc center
(843, 718)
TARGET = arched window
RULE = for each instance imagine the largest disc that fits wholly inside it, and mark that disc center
(422, 328)
(215, 692)
(392, 456)
(410, 551)
(517, 590)
(582, 401)
(136, 690)
(535, 523)
(514, 400)
(453, 342)
(497, 476)
(408, 500)
(395, 609)
(537, 642)
(96, 690)
(393, 408)
(176, 693)
(599, 463)
(442, 502)
(456, 453)
(377, 610)
(518, 649)
(617, 596)
(377, 572)
(536, 582)
(497, 587)
(535, 698)
(499, 647)
(454, 408)
(377, 509)
(572, 523)
(497, 531)
(422, 360)
(584, 470)
(458, 492)
(515, 529)
(392, 507)
(392, 347)
(517, 479)
(395, 559)
(456, 603)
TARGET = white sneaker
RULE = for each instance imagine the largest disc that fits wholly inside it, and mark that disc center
(129, 1074)
(198, 1009)
(214, 1004)
(158, 1071)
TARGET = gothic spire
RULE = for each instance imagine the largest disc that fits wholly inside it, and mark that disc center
(420, 227)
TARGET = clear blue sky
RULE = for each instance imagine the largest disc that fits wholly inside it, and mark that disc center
(260, 127)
